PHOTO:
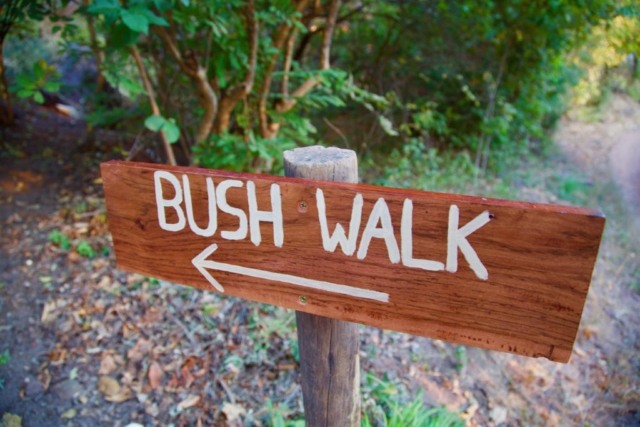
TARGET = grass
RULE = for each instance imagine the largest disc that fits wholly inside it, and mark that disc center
(84, 249)
(59, 239)
(5, 357)
(387, 405)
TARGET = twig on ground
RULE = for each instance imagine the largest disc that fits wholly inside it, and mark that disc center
(223, 384)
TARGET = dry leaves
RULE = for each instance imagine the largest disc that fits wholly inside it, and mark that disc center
(140, 350)
(58, 355)
(107, 364)
(189, 401)
(50, 312)
(112, 390)
(68, 414)
(155, 375)
(232, 411)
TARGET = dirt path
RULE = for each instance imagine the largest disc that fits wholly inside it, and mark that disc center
(625, 164)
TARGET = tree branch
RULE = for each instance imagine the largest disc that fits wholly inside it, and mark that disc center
(173, 48)
(287, 104)
(288, 56)
(279, 39)
(190, 65)
(152, 100)
(228, 103)
(306, 39)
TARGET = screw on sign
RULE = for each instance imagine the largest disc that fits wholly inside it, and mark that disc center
(502, 275)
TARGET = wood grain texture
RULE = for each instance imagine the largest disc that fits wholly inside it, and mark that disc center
(329, 348)
(539, 258)
(330, 370)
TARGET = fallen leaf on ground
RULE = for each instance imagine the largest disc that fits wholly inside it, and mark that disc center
(186, 377)
(48, 312)
(44, 377)
(155, 375)
(232, 411)
(190, 401)
(138, 351)
(57, 356)
(10, 420)
(108, 386)
(125, 394)
(107, 365)
(112, 390)
(68, 414)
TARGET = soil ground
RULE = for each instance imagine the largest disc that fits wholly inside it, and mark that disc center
(89, 345)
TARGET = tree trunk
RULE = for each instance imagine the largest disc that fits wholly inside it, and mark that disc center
(6, 110)
(100, 80)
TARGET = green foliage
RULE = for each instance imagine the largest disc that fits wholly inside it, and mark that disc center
(41, 77)
(494, 86)
(84, 249)
(461, 358)
(384, 408)
(240, 153)
(414, 165)
(166, 126)
(277, 416)
(476, 83)
(5, 357)
(608, 59)
(59, 239)
(570, 188)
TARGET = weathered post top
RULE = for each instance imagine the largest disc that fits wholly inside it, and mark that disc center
(325, 164)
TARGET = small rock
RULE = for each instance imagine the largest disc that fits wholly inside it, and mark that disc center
(33, 388)
(498, 414)
(67, 389)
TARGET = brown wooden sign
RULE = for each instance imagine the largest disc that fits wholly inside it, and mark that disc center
(506, 276)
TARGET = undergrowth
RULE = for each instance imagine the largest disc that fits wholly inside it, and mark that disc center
(387, 404)
(544, 178)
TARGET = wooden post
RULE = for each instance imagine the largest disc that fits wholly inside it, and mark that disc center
(329, 359)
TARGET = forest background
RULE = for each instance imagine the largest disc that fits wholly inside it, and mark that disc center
(408, 84)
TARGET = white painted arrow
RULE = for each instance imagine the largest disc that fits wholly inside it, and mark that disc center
(202, 264)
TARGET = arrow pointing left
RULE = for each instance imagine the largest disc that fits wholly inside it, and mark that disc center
(202, 264)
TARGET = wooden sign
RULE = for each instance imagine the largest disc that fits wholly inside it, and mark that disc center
(506, 276)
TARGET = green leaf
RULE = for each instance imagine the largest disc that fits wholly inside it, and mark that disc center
(155, 123)
(104, 7)
(40, 69)
(23, 80)
(24, 93)
(387, 126)
(135, 21)
(122, 36)
(155, 20)
(55, 29)
(162, 5)
(51, 86)
(37, 96)
(171, 131)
